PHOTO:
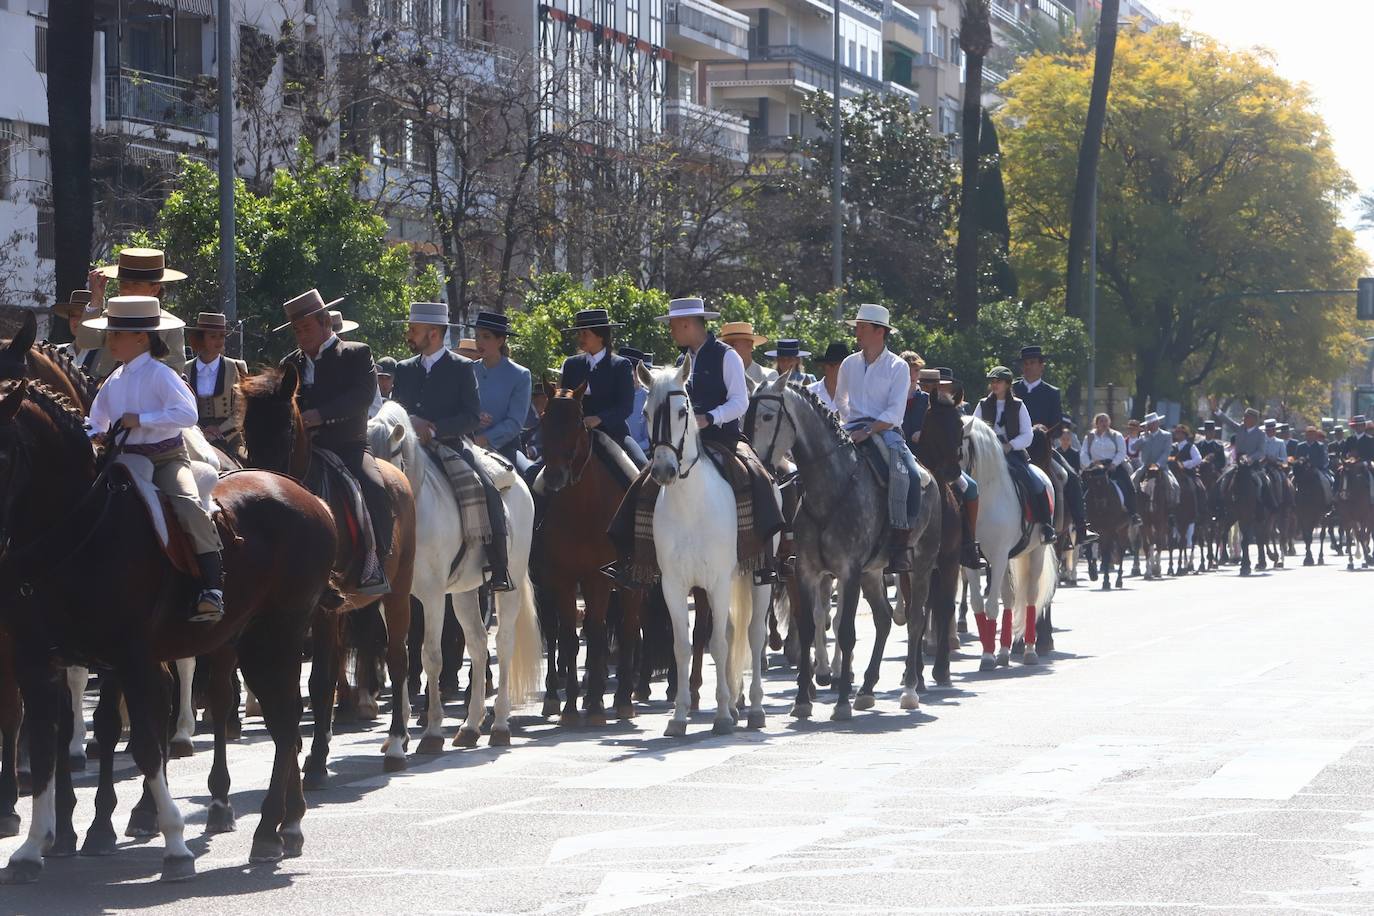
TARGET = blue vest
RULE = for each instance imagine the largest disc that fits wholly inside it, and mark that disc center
(707, 388)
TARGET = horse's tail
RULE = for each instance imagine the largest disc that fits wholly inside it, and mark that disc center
(527, 660)
(1049, 579)
(741, 611)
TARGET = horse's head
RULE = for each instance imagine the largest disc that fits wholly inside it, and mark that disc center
(14, 356)
(982, 452)
(941, 444)
(673, 436)
(392, 438)
(769, 425)
(271, 421)
(564, 441)
(43, 448)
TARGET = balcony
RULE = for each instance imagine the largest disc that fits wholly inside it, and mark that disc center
(1062, 14)
(719, 131)
(775, 144)
(913, 99)
(1005, 10)
(152, 98)
(789, 66)
(903, 27)
(703, 29)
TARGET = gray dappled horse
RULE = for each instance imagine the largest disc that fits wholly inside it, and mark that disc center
(841, 530)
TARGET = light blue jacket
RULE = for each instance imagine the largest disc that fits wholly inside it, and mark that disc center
(504, 391)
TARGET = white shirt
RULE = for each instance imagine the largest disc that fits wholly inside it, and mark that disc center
(593, 360)
(1027, 434)
(427, 362)
(1110, 447)
(308, 376)
(1030, 386)
(206, 376)
(144, 386)
(760, 375)
(818, 389)
(78, 355)
(875, 390)
(1192, 457)
(736, 388)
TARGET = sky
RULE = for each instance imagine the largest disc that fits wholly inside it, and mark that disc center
(1323, 44)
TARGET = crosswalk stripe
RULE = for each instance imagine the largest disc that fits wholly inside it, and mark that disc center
(1273, 770)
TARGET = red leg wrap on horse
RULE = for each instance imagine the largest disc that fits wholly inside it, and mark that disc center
(987, 632)
(1030, 626)
(1006, 628)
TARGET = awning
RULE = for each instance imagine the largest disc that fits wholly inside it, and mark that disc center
(189, 7)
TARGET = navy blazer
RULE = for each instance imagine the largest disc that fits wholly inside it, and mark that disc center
(345, 384)
(611, 394)
(1315, 453)
(915, 416)
(1044, 404)
(445, 396)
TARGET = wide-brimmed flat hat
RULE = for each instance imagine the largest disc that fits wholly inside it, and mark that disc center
(148, 265)
(872, 314)
(78, 303)
(1270, 422)
(210, 321)
(1151, 417)
(787, 346)
(928, 375)
(341, 324)
(636, 355)
(134, 313)
(1357, 419)
(837, 352)
(1032, 353)
(1000, 374)
(307, 303)
(494, 322)
(468, 347)
(740, 329)
(687, 307)
(435, 313)
(591, 319)
(1209, 425)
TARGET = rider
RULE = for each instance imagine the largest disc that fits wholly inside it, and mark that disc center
(1006, 414)
(1290, 444)
(639, 428)
(1314, 452)
(787, 360)
(503, 386)
(214, 378)
(438, 388)
(917, 397)
(150, 400)
(740, 336)
(1250, 450)
(829, 361)
(610, 394)
(1211, 446)
(1045, 408)
(1153, 448)
(386, 375)
(338, 384)
(143, 272)
(1359, 447)
(1107, 447)
(85, 348)
(1185, 449)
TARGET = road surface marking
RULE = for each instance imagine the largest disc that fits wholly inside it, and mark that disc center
(1273, 770)
(1075, 767)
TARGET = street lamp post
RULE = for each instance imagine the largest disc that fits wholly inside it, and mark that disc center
(228, 294)
(836, 201)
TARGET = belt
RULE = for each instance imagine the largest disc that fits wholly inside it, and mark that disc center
(149, 449)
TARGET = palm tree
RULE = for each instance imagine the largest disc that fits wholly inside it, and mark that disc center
(1089, 152)
(975, 40)
(71, 38)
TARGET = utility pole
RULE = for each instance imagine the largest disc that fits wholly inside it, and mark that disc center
(228, 293)
(836, 194)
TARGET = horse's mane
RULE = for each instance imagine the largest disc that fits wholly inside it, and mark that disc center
(265, 384)
(81, 380)
(828, 417)
(66, 417)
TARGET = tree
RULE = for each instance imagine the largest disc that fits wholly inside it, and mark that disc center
(1089, 153)
(71, 39)
(1218, 179)
(975, 40)
(307, 230)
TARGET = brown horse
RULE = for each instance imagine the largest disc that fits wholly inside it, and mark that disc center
(584, 487)
(274, 438)
(1355, 509)
(1109, 519)
(60, 512)
(942, 436)
(1312, 504)
(1155, 535)
(1190, 519)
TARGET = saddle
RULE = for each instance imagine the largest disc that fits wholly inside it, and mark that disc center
(1023, 498)
(137, 472)
(874, 452)
(330, 480)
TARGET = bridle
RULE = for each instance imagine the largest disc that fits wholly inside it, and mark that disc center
(576, 471)
(767, 456)
(661, 431)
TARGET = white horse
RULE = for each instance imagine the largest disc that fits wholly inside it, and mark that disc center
(438, 541)
(1022, 583)
(695, 540)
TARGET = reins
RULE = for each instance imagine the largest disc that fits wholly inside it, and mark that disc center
(662, 432)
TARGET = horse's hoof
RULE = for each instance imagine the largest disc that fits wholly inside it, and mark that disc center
(757, 719)
(641, 696)
(220, 818)
(142, 824)
(178, 868)
(774, 642)
(1045, 645)
(22, 872)
(677, 728)
(430, 745)
(961, 627)
(9, 824)
(800, 711)
(266, 851)
(987, 663)
(100, 842)
(77, 762)
(1018, 646)
(863, 701)
(570, 719)
(393, 764)
(466, 737)
(823, 678)
(315, 780)
(61, 848)
(1030, 658)
(942, 680)
(292, 842)
(842, 712)
(910, 700)
(179, 749)
(1245, 570)
(500, 737)
(624, 710)
(1106, 585)
(596, 718)
(551, 706)
(723, 726)
(695, 705)
(252, 707)
(898, 616)
(954, 644)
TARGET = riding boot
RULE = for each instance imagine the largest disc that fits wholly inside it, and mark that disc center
(970, 557)
(1045, 516)
(899, 551)
(497, 570)
(209, 605)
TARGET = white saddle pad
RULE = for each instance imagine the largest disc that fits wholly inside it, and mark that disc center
(501, 471)
(141, 471)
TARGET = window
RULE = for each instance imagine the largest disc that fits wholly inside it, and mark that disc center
(8, 148)
(40, 48)
(849, 56)
(656, 23)
(632, 18)
(873, 64)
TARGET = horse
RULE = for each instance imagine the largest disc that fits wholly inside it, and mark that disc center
(1156, 517)
(61, 512)
(841, 531)
(1207, 475)
(1355, 509)
(1109, 519)
(1190, 519)
(1242, 506)
(695, 539)
(1065, 544)
(447, 565)
(275, 439)
(1311, 506)
(938, 450)
(1016, 579)
(584, 483)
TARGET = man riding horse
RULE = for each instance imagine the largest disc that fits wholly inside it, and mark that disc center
(1153, 448)
(1045, 407)
(1211, 447)
(86, 348)
(438, 388)
(1250, 450)
(1313, 451)
(1359, 449)
(1007, 415)
(337, 386)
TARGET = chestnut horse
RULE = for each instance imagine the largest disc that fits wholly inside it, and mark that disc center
(274, 438)
(126, 612)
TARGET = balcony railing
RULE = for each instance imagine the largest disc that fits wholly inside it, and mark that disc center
(905, 18)
(1006, 11)
(817, 63)
(725, 133)
(1059, 12)
(151, 98)
(774, 143)
(710, 19)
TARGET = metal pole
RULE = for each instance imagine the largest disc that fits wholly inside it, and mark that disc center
(836, 194)
(228, 294)
(1092, 305)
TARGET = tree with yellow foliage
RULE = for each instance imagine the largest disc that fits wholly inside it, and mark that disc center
(1217, 180)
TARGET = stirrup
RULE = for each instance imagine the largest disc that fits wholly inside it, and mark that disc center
(375, 587)
(1047, 533)
(618, 576)
(495, 583)
(765, 576)
(1086, 537)
(209, 607)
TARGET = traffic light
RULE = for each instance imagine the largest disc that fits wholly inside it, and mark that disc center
(1364, 299)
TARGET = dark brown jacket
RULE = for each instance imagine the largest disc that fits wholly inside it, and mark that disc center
(344, 387)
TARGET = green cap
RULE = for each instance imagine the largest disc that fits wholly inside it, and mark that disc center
(1000, 374)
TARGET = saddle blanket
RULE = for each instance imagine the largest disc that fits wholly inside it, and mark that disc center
(468, 491)
(141, 474)
(360, 522)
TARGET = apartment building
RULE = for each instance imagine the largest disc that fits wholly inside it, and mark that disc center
(1132, 11)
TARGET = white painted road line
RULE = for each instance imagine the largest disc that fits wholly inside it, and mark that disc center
(1273, 770)
(1074, 768)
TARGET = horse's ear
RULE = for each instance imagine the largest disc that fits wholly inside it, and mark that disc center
(23, 341)
(646, 378)
(10, 405)
(290, 381)
(685, 371)
(778, 385)
(398, 434)
(579, 391)
(550, 389)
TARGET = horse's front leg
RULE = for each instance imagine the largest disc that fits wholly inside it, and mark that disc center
(675, 596)
(39, 685)
(148, 695)
(811, 586)
(396, 607)
(722, 636)
(596, 596)
(876, 595)
(432, 609)
(845, 636)
(758, 635)
(701, 636)
(631, 655)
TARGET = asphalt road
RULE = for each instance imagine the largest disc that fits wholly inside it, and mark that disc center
(1198, 744)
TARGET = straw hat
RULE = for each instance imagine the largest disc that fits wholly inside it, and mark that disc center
(740, 329)
(435, 313)
(341, 324)
(134, 313)
(210, 321)
(78, 303)
(468, 347)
